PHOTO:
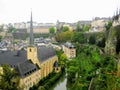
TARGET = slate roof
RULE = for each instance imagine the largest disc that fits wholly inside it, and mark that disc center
(18, 60)
(69, 45)
(44, 53)
(56, 64)
(12, 57)
(26, 68)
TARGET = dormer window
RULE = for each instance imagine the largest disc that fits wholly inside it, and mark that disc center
(25, 74)
(30, 71)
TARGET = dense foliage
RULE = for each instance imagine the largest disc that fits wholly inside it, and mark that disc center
(65, 28)
(52, 30)
(79, 37)
(9, 79)
(92, 70)
(98, 39)
(62, 59)
(78, 27)
(85, 28)
(64, 36)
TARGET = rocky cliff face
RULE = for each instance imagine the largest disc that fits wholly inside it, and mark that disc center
(113, 41)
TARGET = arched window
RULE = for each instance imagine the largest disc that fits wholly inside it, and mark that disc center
(30, 50)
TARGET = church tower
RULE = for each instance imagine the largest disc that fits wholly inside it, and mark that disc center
(31, 49)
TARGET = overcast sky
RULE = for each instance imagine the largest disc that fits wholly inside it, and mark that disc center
(52, 10)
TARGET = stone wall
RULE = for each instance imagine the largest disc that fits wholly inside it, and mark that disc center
(113, 41)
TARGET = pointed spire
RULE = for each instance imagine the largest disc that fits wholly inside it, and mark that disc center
(31, 31)
(114, 14)
(117, 12)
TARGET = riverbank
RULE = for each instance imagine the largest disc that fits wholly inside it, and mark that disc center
(60, 84)
(47, 82)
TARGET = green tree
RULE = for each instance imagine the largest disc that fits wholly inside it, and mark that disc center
(11, 28)
(101, 43)
(57, 37)
(62, 59)
(78, 27)
(41, 88)
(64, 36)
(92, 39)
(79, 37)
(68, 35)
(52, 30)
(86, 28)
(90, 64)
(118, 83)
(108, 25)
(9, 79)
(65, 28)
(72, 70)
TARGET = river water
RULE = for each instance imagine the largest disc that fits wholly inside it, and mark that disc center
(60, 84)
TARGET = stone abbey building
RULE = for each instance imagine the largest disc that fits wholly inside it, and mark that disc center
(32, 64)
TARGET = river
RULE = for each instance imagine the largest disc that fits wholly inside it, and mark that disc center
(60, 84)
